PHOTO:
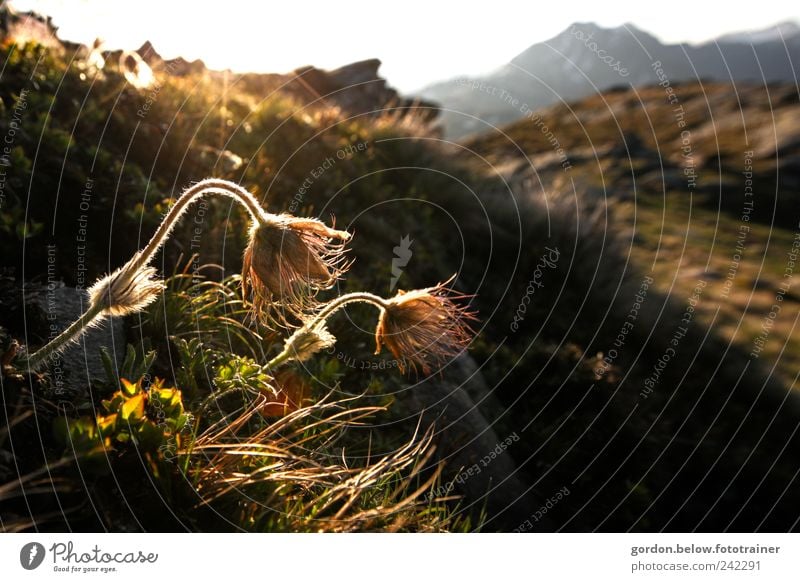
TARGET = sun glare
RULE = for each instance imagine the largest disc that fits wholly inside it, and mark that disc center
(424, 42)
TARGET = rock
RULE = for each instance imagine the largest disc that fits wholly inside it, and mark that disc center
(25, 27)
(355, 88)
(80, 362)
(479, 462)
(177, 67)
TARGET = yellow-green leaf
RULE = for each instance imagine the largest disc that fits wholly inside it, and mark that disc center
(133, 409)
(128, 388)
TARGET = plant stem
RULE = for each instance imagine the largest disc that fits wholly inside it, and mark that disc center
(142, 258)
(339, 302)
(279, 359)
(62, 339)
(329, 310)
(208, 186)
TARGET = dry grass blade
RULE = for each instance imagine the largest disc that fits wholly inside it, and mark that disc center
(286, 470)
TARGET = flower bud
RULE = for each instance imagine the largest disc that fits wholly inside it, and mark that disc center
(305, 342)
(126, 291)
(287, 261)
(424, 328)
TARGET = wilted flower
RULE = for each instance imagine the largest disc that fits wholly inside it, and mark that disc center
(424, 327)
(288, 260)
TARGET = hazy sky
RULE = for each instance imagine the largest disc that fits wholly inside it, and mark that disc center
(418, 42)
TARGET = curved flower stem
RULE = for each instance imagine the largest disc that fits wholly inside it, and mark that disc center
(142, 258)
(62, 339)
(329, 310)
(208, 186)
(339, 302)
(281, 358)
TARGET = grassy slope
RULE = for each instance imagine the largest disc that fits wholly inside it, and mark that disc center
(713, 433)
(680, 235)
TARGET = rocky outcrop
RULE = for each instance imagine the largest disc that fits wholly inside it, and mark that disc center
(356, 88)
(480, 467)
(178, 67)
(25, 27)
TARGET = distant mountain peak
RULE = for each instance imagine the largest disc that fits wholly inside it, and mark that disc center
(785, 30)
(587, 58)
(583, 33)
(595, 29)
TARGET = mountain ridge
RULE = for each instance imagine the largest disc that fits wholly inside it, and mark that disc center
(586, 58)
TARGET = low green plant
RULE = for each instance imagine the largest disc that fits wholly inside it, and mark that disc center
(135, 364)
(150, 418)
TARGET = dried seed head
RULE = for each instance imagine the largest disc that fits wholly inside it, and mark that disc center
(305, 342)
(424, 328)
(287, 261)
(126, 291)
